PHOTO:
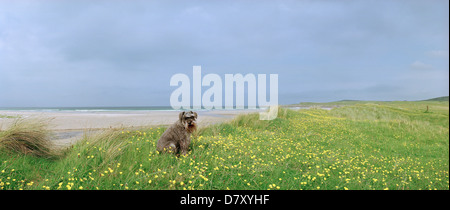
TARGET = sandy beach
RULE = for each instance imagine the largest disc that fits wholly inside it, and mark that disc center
(70, 126)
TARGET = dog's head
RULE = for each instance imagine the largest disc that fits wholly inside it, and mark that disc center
(189, 120)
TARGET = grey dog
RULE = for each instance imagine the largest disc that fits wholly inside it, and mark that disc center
(178, 136)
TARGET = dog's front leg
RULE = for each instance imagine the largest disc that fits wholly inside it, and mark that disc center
(183, 151)
(184, 147)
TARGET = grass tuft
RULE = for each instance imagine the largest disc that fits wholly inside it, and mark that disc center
(30, 137)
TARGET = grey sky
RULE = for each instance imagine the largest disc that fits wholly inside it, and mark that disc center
(123, 53)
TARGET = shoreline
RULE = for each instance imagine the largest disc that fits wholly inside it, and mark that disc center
(115, 119)
(69, 127)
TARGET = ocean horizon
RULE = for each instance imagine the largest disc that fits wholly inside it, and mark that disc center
(105, 109)
(88, 108)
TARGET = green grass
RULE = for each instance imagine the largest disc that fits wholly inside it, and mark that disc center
(364, 146)
(439, 101)
(6, 116)
(442, 98)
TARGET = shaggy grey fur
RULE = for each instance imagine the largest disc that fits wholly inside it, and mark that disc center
(178, 136)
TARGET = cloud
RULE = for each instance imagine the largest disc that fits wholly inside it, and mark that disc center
(124, 53)
(418, 65)
(438, 53)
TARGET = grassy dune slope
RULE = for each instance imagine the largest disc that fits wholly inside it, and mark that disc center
(361, 146)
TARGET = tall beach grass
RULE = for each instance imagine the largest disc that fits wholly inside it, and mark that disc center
(29, 137)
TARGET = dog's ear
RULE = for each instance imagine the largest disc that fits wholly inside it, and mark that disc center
(195, 115)
(180, 116)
